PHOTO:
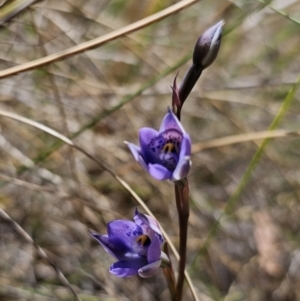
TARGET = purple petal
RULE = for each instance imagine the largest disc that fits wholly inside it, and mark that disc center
(170, 121)
(150, 269)
(141, 220)
(186, 147)
(182, 169)
(146, 222)
(136, 151)
(127, 268)
(159, 172)
(146, 136)
(123, 234)
(105, 243)
(153, 253)
(137, 154)
(183, 166)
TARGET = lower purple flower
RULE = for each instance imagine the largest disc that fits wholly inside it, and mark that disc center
(136, 245)
(165, 154)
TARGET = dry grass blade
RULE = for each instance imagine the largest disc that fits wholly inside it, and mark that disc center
(39, 250)
(121, 181)
(37, 125)
(12, 8)
(234, 139)
(98, 41)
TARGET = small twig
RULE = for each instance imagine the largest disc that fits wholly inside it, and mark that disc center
(40, 252)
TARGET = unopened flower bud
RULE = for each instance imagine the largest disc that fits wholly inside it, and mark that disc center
(205, 52)
(207, 46)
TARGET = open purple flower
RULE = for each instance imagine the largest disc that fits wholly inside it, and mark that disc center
(136, 245)
(165, 154)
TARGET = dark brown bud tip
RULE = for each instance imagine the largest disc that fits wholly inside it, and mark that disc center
(207, 46)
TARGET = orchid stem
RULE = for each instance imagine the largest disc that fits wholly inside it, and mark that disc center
(182, 203)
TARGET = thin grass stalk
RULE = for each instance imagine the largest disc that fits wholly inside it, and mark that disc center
(241, 138)
(169, 274)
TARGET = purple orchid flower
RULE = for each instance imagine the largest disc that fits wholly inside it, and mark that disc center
(165, 154)
(136, 245)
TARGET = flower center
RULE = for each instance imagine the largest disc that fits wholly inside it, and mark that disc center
(143, 240)
(166, 148)
(169, 148)
(141, 244)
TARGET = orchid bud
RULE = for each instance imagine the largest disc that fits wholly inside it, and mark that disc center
(207, 46)
(205, 52)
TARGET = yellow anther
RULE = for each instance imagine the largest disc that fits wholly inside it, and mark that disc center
(143, 239)
(168, 148)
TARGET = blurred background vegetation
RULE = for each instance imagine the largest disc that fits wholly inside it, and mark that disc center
(56, 193)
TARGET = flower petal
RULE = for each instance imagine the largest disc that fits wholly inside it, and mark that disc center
(146, 136)
(183, 166)
(127, 268)
(186, 147)
(150, 269)
(146, 222)
(122, 234)
(105, 243)
(153, 253)
(170, 121)
(159, 172)
(182, 169)
(137, 154)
